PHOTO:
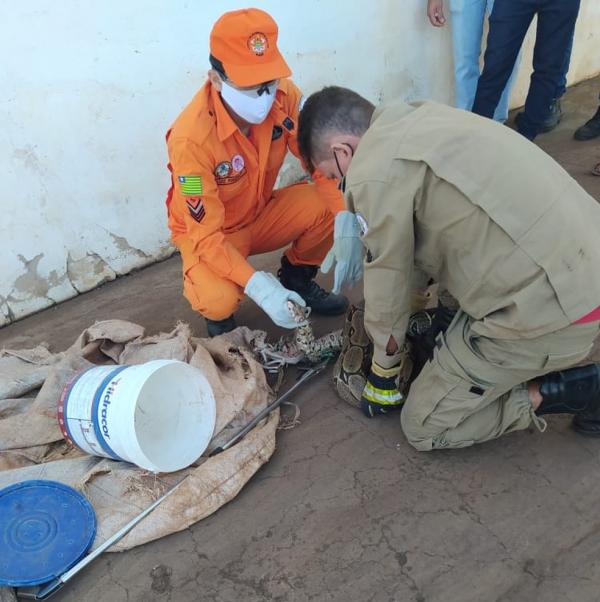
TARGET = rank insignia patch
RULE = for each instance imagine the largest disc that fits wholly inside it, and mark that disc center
(196, 209)
(190, 184)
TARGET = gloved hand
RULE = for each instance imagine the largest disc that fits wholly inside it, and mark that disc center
(346, 252)
(381, 394)
(272, 297)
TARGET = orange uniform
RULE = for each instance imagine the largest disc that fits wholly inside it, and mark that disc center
(222, 206)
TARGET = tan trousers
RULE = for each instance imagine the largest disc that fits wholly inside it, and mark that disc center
(473, 389)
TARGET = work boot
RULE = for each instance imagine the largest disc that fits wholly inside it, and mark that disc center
(553, 119)
(590, 129)
(574, 391)
(300, 278)
(217, 327)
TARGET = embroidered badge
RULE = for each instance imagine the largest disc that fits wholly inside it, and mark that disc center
(288, 123)
(237, 163)
(258, 43)
(190, 184)
(196, 209)
(362, 224)
(230, 173)
(277, 132)
(223, 169)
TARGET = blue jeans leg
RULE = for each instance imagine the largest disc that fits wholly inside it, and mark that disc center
(467, 29)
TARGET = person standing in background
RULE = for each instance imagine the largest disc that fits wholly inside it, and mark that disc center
(509, 23)
(467, 17)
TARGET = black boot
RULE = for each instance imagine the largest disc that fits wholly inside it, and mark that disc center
(590, 129)
(217, 327)
(553, 119)
(300, 278)
(574, 391)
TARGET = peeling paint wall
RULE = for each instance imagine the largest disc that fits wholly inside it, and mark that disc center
(88, 89)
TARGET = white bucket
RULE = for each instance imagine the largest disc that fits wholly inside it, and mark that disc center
(159, 415)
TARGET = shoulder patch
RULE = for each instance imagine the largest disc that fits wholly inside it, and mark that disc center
(277, 132)
(288, 124)
(190, 185)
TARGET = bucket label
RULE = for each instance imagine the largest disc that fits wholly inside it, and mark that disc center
(106, 399)
(84, 407)
(159, 415)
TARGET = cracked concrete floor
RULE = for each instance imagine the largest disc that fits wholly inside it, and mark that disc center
(345, 509)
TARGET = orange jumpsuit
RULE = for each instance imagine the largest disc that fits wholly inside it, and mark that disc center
(222, 206)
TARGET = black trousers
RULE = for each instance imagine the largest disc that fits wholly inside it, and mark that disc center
(509, 22)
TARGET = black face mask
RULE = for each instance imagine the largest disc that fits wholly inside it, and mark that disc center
(342, 176)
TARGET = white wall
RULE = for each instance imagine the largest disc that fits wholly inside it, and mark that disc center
(88, 89)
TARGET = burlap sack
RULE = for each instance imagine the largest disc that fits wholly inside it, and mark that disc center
(31, 445)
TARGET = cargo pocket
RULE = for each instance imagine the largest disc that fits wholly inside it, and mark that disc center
(439, 400)
(562, 361)
(426, 394)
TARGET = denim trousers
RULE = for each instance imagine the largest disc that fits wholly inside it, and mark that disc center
(467, 19)
(509, 22)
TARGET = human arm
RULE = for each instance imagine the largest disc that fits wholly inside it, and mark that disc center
(387, 209)
(196, 203)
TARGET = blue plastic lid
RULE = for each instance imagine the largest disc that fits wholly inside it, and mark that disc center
(45, 528)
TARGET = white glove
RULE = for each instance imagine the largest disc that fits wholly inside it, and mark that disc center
(346, 252)
(272, 297)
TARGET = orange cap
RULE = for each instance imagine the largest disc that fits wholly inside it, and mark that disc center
(245, 41)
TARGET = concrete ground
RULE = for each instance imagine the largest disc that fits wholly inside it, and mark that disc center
(345, 509)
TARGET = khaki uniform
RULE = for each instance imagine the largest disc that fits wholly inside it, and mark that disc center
(506, 231)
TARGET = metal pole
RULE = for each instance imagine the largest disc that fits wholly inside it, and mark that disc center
(306, 376)
(54, 586)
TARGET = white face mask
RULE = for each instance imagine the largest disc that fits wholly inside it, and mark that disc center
(249, 104)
